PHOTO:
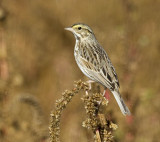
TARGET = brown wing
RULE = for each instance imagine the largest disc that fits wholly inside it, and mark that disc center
(97, 66)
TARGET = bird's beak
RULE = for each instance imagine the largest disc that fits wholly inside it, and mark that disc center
(69, 29)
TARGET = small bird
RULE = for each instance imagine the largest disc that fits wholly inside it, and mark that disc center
(94, 62)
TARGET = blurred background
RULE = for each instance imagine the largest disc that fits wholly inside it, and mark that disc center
(37, 64)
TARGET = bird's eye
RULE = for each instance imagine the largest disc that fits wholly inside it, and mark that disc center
(79, 28)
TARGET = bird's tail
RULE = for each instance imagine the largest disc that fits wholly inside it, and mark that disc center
(124, 109)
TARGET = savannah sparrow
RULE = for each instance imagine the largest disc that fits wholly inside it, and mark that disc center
(95, 63)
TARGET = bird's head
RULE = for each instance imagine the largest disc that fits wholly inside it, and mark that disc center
(80, 31)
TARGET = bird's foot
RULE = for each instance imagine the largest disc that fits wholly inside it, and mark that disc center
(90, 83)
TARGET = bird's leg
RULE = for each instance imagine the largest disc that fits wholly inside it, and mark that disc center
(90, 83)
(106, 94)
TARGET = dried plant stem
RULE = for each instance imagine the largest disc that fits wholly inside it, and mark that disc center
(37, 124)
(54, 127)
(98, 138)
(95, 121)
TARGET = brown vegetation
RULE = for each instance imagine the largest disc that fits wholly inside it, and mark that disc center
(37, 64)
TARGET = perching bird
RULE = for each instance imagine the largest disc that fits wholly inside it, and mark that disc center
(94, 62)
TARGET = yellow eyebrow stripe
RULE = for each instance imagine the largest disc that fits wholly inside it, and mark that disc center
(76, 26)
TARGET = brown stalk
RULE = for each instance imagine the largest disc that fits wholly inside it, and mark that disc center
(95, 121)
